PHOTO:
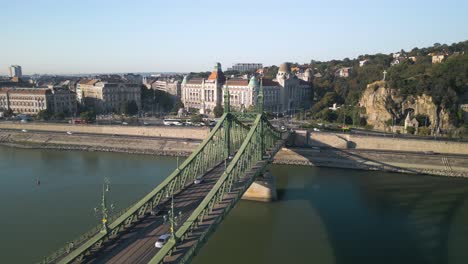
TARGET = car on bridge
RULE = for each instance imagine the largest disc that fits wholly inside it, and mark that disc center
(162, 240)
(198, 180)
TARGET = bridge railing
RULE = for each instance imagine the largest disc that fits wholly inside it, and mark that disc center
(262, 136)
(208, 154)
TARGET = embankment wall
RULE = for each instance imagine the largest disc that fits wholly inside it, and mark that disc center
(153, 131)
(350, 141)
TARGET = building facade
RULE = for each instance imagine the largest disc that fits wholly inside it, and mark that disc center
(243, 92)
(15, 71)
(33, 100)
(286, 93)
(203, 94)
(171, 86)
(246, 67)
(107, 97)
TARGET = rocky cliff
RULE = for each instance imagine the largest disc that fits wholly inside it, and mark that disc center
(383, 103)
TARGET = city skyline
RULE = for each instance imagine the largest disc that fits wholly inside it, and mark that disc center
(108, 37)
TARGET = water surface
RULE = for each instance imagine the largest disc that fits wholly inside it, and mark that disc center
(326, 216)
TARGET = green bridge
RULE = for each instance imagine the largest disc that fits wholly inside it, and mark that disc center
(233, 155)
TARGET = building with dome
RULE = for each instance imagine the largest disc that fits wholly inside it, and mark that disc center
(243, 92)
(286, 93)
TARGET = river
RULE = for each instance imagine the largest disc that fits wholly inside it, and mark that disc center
(327, 216)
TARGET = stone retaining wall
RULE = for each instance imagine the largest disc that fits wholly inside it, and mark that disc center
(154, 131)
(351, 141)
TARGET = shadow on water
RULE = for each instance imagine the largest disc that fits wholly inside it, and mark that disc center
(404, 219)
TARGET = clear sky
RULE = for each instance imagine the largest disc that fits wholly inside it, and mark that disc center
(87, 36)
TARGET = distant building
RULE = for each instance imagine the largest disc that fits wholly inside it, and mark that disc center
(464, 108)
(203, 94)
(343, 72)
(15, 71)
(363, 62)
(32, 100)
(305, 75)
(411, 123)
(243, 92)
(106, 96)
(413, 58)
(438, 58)
(133, 78)
(246, 67)
(286, 93)
(334, 107)
(169, 86)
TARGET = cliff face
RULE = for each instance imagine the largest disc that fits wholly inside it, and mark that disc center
(383, 103)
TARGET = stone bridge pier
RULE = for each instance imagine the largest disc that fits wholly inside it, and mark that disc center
(263, 189)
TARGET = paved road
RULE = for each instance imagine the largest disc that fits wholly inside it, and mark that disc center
(137, 246)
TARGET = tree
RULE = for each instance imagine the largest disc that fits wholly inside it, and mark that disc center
(8, 113)
(44, 115)
(218, 111)
(132, 107)
(129, 108)
(410, 130)
(59, 116)
(196, 119)
(424, 131)
(423, 120)
(178, 105)
(88, 116)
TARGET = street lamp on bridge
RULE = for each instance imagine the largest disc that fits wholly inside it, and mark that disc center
(173, 219)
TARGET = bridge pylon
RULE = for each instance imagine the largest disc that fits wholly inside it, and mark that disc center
(228, 122)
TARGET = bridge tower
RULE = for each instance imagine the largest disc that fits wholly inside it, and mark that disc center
(228, 122)
(260, 110)
(260, 98)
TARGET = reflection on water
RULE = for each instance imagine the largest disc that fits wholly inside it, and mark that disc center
(323, 216)
(41, 218)
(346, 216)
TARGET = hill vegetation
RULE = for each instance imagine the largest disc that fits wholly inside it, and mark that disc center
(411, 73)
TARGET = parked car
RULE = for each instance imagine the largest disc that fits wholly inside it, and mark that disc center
(124, 123)
(69, 133)
(316, 129)
(162, 240)
(24, 130)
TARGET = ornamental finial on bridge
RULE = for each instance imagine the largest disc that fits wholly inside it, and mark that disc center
(227, 103)
(260, 97)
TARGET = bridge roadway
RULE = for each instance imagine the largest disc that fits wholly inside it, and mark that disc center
(137, 245)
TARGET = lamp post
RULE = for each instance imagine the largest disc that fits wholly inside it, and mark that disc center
(173, 219)
(104, 210)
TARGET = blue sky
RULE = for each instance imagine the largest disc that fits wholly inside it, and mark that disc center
(85, 36)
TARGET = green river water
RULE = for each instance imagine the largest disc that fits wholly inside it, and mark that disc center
(325, 216)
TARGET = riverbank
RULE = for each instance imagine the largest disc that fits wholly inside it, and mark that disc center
(104, 143)
(441, 164)
(376, 160)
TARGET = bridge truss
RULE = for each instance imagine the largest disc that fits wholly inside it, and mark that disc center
(247, 149)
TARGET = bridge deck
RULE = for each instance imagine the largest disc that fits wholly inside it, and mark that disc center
(137, 245)
(216, 215)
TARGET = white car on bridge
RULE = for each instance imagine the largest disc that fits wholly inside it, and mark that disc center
(162, 240)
